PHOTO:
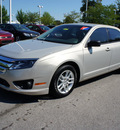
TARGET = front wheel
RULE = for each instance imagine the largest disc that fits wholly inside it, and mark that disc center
(63, 81)
(17, 38)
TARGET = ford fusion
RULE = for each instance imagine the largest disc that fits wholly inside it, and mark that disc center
(55, 61)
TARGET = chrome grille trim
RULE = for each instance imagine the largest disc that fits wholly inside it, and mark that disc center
(2, 69)
(5, 63)
(6, 37)
(6, 59)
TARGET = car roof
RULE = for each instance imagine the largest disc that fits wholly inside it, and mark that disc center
(9, 24)
(35, 24)
(90, 24)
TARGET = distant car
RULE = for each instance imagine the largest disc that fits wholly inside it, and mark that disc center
(51, 26)
(38, 28)
(19, 31)
(5, 37)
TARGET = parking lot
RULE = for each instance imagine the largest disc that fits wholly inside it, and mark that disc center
(93, 105)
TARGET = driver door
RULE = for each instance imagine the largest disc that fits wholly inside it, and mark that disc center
(97, 58)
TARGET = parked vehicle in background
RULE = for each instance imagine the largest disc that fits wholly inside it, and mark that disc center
(56, 60)
(19, 31)
(38, 28)
(5, 37)
(51, 26)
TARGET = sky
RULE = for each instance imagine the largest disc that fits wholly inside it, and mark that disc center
(56, 8)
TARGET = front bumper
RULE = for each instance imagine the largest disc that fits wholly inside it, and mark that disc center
(9, 85)
(6, 41)
(12, 80)
(27, 92)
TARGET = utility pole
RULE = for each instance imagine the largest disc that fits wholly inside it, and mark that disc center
(10, 11)
(86, 7)
(1, 11)
(40, 12)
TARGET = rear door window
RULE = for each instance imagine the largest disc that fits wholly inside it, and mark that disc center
(9, 27)
(114, 35)
(2, 27)
(30, 27)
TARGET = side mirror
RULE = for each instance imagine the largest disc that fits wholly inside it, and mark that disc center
(93, 43)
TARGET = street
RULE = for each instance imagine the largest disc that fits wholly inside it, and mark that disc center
(93, 105)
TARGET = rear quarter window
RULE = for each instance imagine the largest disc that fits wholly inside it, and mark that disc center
(114, 35)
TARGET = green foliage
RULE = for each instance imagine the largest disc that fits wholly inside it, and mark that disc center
(96, 13)
(5, 17)
(73, 17)
(57, 22)
(90, 3)
(117, 9)
(32, 17)
(47, 19)
(21, 17)
(68, 19)
(28, 17)
(101, 14)
(83, 8)
(118, 4)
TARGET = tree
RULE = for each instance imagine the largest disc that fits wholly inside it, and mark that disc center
(90, 3)
(32, 17)
(83, 8)
(72, 17)
(98, 1)
(117, 11)
(118, 4)
(47, 19)
(101, 14)
(21, 17)
(57, 22)
(5, 17)
(68, 19)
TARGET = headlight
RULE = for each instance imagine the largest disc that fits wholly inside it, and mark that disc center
(27, 34)
(34, 35)
(22, 64)
(12, 35)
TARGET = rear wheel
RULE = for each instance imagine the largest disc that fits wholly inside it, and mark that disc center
(63, 81)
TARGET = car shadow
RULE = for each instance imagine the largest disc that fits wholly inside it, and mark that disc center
(81, 84)
(14, 98)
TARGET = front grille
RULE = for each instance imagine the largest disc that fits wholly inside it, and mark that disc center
(6, 41)
(5, 63)
(6, 37)
(4, 82)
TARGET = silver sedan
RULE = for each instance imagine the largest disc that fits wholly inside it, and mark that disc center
(57, 60)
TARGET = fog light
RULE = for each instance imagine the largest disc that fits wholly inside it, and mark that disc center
(24, 84)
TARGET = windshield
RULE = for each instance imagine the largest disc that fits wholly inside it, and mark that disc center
(68, 34)
(20, 27)
(44, 28)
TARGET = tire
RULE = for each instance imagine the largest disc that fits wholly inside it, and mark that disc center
(63, 81)
(17, 38)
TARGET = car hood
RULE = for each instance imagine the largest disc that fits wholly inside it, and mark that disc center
(31, 49)
(4, 33)
(29, 31)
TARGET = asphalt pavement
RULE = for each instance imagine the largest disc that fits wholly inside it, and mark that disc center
(93, 105)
